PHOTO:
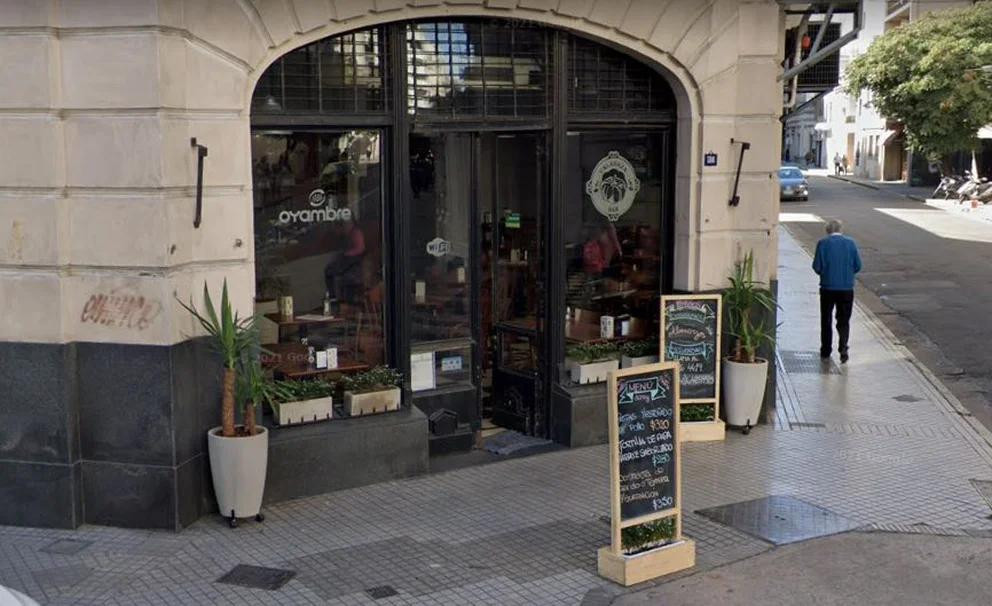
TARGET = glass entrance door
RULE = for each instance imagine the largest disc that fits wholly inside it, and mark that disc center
(477, 212)
(513, 195)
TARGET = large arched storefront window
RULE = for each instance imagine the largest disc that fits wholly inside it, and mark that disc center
(466, 200)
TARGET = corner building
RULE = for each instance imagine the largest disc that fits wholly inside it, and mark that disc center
(470, 184)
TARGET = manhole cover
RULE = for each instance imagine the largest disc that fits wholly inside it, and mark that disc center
(779, 519)
(382, 591)
(807, 362)
(907, 398)
(257, 577)
(66, 546)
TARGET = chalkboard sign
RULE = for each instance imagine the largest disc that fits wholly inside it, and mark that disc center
(644, 446)
(690, 335)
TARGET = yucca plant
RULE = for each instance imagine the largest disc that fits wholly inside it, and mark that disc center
(747, 297)
(233, 337)
(252, 390)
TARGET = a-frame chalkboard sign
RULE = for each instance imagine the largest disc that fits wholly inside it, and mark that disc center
(690, 335)
(645, 471)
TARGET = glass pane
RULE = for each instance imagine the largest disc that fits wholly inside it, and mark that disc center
(478, 68)
(604, 80)
(318, 240)
(613, 236)
(343, 74)
(440, 253)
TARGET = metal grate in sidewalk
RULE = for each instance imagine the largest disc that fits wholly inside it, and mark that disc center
(808, 362)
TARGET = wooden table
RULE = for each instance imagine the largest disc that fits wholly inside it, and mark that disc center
(302, 323)
(289, 361)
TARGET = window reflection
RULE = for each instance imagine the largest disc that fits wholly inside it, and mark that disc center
(613, 266)
(318, 240)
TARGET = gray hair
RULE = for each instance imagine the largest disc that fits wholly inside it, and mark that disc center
(834, 226)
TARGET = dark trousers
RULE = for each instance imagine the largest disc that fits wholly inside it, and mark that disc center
(843, 300)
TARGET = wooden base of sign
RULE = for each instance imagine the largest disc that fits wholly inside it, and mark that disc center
(634, 569)
(703, 431)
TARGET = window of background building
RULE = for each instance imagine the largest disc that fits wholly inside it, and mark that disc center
(318, 235)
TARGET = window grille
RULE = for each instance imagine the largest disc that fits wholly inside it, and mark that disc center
(602, 80)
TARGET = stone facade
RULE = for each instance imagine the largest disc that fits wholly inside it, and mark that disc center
(98, 102)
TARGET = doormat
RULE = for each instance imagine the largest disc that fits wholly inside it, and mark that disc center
(514, 443)
(779, 519)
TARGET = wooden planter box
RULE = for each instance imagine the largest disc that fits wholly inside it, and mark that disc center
(304, 411)
(594, 372)
(628, 362)
(373, 402)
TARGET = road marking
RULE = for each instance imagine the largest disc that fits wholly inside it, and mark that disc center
(942, 224)
(799, 218)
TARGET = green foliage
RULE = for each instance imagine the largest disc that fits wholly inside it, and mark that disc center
(647, 535)
(252, 387)
(747, 296)
(639, 349)
(587, 353)
(918, 73)
(232, 335)
(696, 412)
(376, 379)
(278, 392)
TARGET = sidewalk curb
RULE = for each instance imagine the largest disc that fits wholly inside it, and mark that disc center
(875, 187)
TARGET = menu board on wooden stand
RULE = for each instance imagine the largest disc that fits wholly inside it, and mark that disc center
(645, 474)
(690, 335)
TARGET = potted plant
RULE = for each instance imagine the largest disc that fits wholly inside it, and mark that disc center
(638, 353)
(590, 362)
(238, 453)
(295, 402)
(744, 374)
(373, 391)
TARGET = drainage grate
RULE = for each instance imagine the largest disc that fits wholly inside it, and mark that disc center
(907, 398)
(779, 519)
(382, 591)
(807, 362)
(923, 528)
(66, 546)
(257, 577)
(807, 425)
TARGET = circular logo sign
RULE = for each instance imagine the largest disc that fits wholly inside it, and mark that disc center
(613, 185)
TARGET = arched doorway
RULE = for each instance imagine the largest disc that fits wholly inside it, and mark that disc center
(479, 203)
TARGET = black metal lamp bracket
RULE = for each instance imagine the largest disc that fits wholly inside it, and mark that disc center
(735, 199)
(201, 153)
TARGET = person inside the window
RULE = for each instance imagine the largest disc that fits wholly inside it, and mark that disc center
(601, 247)
(343, 273)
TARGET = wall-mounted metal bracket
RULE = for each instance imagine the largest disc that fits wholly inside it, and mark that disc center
(735, 199)
(201, 153)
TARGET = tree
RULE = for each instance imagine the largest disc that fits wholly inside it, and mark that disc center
(927, 74)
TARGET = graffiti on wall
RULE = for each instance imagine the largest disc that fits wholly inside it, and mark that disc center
(121, 308)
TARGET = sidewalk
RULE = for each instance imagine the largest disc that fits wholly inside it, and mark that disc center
(899, 188)
(876, 445)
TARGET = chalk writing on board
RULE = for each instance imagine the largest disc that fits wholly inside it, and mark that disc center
(691, 339)
(646, 443)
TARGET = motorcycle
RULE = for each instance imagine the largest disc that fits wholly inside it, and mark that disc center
(948, 186)
(970, 186)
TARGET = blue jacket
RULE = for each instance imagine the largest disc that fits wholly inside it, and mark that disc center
(836, 261)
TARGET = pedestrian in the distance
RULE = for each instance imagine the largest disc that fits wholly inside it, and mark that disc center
(837, 163)
(843, 161)
(836, 261)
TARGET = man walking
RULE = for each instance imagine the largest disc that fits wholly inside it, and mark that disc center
(836, 261)
(837, 163)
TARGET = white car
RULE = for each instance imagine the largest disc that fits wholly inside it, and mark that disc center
(9, 597)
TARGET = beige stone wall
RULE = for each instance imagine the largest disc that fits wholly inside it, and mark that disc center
(99, 99)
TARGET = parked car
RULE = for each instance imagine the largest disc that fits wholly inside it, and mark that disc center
(792, 184)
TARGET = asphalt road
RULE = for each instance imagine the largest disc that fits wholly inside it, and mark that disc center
(927, 274)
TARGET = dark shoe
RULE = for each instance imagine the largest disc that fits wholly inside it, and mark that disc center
(844, 358)
(824, 356)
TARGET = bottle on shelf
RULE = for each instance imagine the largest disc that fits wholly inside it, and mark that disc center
(327, 303)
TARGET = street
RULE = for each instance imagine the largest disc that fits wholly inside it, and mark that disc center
(927, 275)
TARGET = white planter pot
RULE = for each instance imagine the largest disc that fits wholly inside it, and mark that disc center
(628, 362)
(238, 468)
(594, 372)
(304, 411)
(743, 391)
(358, 404)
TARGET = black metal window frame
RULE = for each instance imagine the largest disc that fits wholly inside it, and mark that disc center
(397, 123)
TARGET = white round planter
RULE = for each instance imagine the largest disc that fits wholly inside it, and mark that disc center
(743, 391)
(238, 468)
